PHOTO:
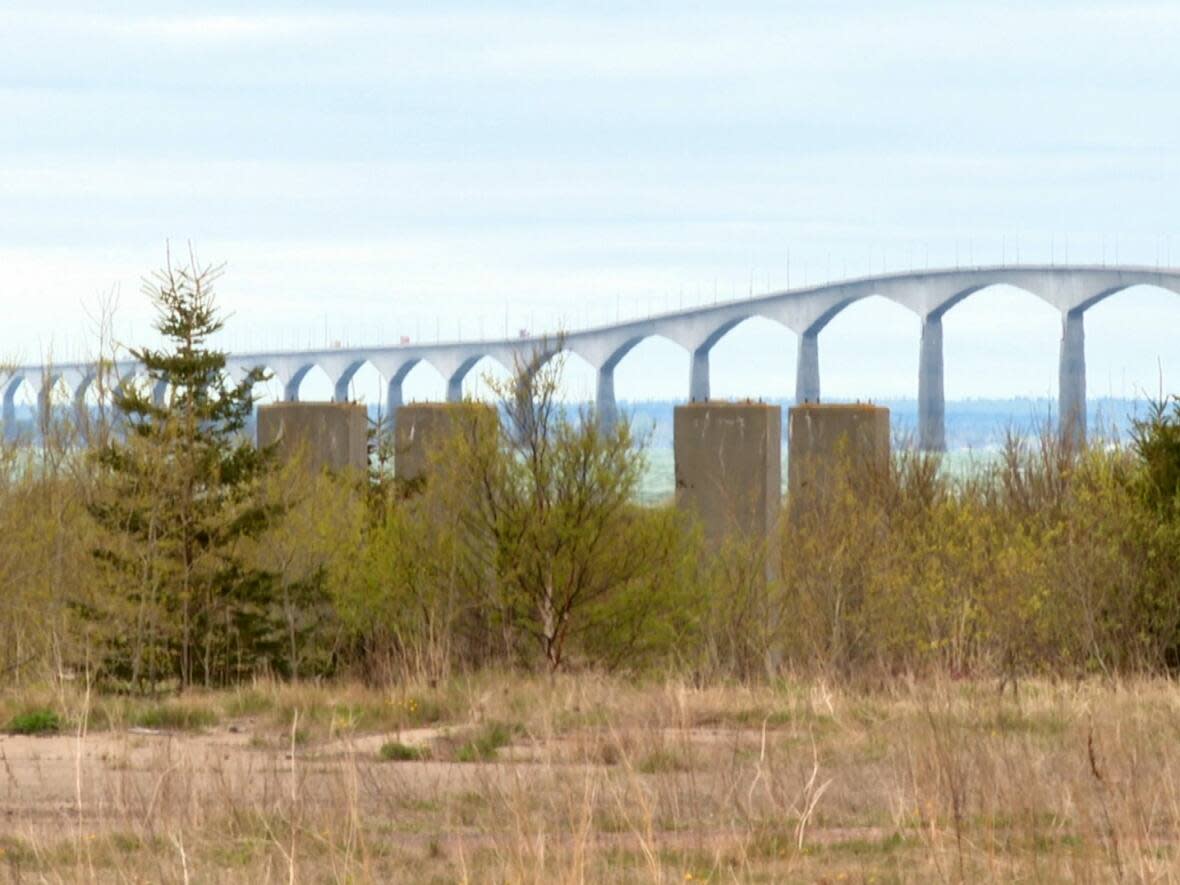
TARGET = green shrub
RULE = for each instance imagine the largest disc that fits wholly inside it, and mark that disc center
(175, 717)
(34, 722)
(663, 761)
(483, 745)
(396, 751)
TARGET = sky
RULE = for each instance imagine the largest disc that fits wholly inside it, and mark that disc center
(372, 170)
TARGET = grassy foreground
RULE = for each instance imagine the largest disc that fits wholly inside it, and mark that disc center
(589, 778)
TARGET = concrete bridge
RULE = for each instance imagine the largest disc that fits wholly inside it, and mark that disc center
(1072, 290)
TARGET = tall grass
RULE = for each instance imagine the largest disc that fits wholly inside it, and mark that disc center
(604, 779)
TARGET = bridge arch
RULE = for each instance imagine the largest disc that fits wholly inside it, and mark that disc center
(579, 377)
(870, 352)
(481, 377)
(419, 380)
(272, 390)
(310, 383)
(1010, 329)
(362, 382)
(1127, 358)
(18, 392)
(1162, 285)
(648, 366)
(942, 306)
(752, 357)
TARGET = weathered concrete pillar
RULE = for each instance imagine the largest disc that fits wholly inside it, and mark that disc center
(698, 387)
(424, 430)
(825, 442)
(604, 401)
(931, 398)
(729, 468)
(807, 369)
(1071, 379)
(329, 435)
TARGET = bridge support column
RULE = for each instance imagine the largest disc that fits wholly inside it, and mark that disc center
(82, 415)
(393, 397)
(455, 388)
(604, 401)
(340, 390)
(43, 419)
(931, 398)
(698, 387)
(807, 369)
(291, 389)
(1071, 379)
(393, 402)
(10, 431)
(159, 393)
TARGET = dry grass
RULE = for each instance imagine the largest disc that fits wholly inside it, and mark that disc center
(588, 778)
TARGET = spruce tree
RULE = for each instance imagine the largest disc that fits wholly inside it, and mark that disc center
(181, 492)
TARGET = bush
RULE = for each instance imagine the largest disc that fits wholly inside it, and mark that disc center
(175, 717)
(486, 742)
(396, 751)
(34, 722)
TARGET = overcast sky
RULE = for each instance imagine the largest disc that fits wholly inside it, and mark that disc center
(374, 170)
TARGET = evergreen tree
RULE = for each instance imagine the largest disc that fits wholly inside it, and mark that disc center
(181, 493)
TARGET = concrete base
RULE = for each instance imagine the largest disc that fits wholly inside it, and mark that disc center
(422, 431)
(330, 435)
(824, 439)
(729, 467)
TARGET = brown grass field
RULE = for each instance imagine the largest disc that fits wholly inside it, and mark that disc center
(505, 778)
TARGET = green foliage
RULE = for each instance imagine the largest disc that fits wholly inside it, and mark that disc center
(41, 721)
(545, 510)
(175, 717)
(524, 545)
(1050, 560)
(663, 760)
(486, 742)
(180, 494)
(396, 751)
(1157, 443)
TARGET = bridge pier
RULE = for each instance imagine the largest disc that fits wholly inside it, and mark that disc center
(393, 396)
(807, 369)
(1071, 379)
(605, 407)
(82, 415)
(698, 386)
(931, 397)
(455, 387)
(340, 390)
(10, 433)
(43, 419)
